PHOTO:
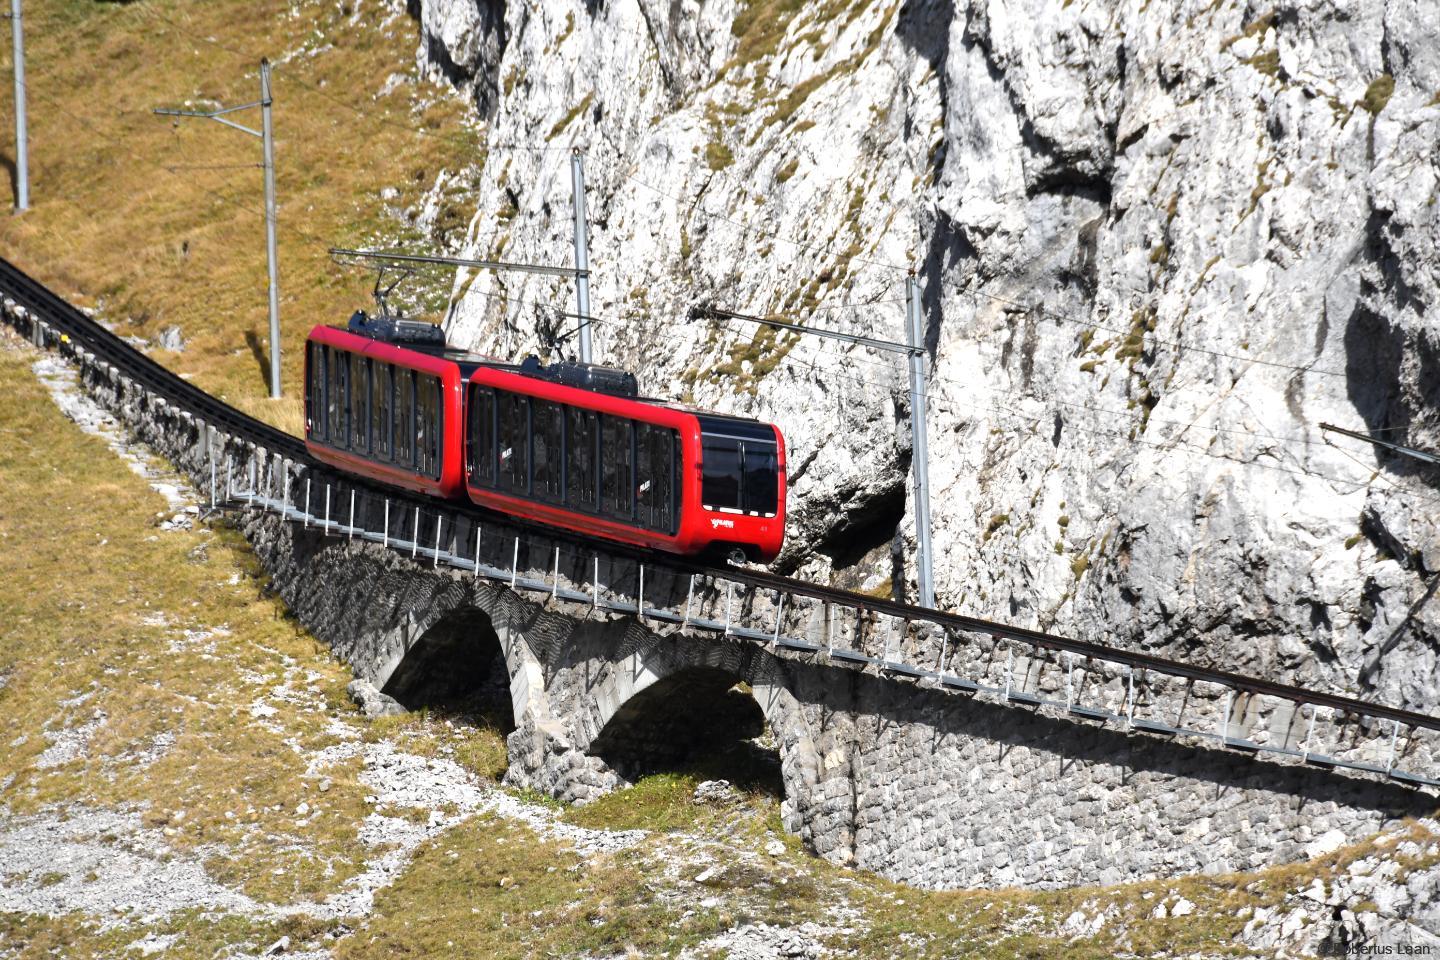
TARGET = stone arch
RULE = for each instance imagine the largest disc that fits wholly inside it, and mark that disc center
(681, 697)
(453, 660)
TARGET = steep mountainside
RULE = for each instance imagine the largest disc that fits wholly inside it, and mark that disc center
(1159, 244)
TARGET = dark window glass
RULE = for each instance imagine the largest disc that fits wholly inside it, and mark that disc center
(514, 430)
(380, 405)
(339, 399)
(720, 473)
(547, 451)
(655, 476)
(644, 476)
(481, 436)
(359, 403)
(315, 421)
(581, 437)
(404, 417)
(427, 428)
(424, 413)
(662, 479)
(616, 450)
(677, 479)
(762, 480)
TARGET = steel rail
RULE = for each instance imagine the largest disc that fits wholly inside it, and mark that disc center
(69, 320)
(170, 386)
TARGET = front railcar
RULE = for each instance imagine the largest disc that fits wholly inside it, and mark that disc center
(572, 446)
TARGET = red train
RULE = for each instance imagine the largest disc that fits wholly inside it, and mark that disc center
(570, 445)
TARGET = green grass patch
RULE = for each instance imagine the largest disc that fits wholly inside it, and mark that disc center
(230, 783)
(490, 888)
(570, 116)
(1378, 94)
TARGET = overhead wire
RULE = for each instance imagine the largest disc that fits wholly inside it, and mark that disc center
(991, 408)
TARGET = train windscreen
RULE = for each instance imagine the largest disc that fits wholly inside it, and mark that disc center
(740, 467)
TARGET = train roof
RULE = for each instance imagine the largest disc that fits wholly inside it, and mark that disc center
(414, 335)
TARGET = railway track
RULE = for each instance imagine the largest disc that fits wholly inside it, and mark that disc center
(67, 320)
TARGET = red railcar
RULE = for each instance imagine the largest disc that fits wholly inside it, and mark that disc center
(569, 445)
(385, 410)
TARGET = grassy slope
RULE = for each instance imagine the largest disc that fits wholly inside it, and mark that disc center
(158, 247)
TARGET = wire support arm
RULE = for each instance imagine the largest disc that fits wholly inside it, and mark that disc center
(460, 262)
(708, 312)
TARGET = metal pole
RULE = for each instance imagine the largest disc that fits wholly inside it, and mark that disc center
(582, 253)
(919, 447)
(22, 147)
(269, 140)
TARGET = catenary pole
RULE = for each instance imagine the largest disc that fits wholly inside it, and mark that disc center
(267, 138)
(919, 446)
(582, 253)
(272, 256)
(22, 146)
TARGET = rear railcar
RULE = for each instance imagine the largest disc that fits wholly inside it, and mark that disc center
(385, 404)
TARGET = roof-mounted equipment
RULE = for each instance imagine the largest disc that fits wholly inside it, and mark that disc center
(415, 333)
(584, 376)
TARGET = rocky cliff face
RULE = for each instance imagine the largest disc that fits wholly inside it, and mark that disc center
(1158, 244)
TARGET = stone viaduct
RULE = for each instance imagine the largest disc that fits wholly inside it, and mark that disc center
(920, 784)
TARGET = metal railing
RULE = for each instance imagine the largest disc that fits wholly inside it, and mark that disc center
(1084, 687)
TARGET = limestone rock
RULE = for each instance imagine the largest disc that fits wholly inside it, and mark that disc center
(372, 702)
(1157, 245)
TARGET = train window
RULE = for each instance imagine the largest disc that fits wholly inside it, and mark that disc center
(546, 449)
(616, 458)
(762, 477)
(580, 439)
(662, 479)
(383, 394)
(652, 475)
(359, 403)
(481, 436)
(423, 413)
(427, 427)
(677, 479)
(404, 417)
(315, 390)
(720, 478)
(339, 399)
(514, 430)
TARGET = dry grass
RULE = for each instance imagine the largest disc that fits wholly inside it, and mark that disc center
(161, 224)
(95, 619)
